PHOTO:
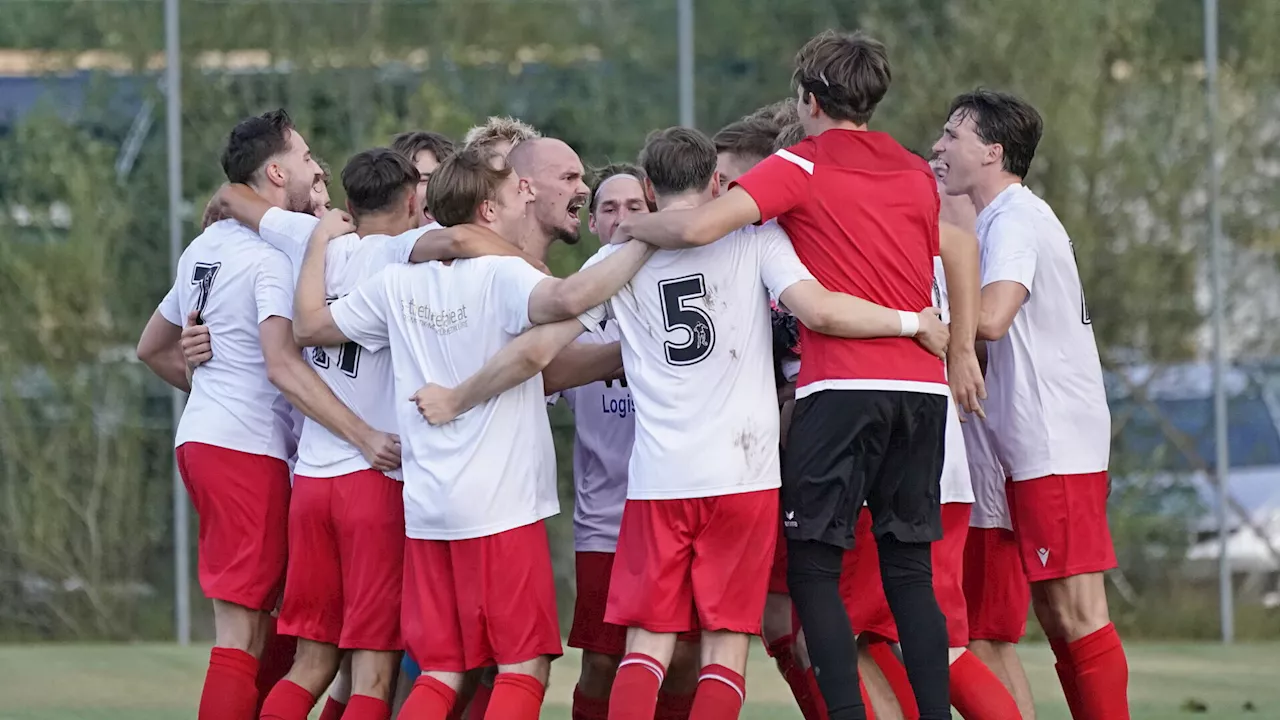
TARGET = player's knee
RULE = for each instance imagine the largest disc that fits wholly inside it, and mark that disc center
(373, 674)
(240, 628)
(315, 665)
(728, 649)
(904, 565)
(1076, 605)
(810, 562)
(777, 617)
(597, 673)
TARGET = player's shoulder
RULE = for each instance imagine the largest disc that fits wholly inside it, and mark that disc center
(234, 244)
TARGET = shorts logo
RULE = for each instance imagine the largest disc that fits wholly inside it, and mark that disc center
(790, 519)
(1044, 556)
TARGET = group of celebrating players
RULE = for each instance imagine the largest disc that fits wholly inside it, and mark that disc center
(784, 323)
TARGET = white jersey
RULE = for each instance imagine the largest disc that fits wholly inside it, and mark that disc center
(236, 281)
(494, 468)
(956, 484)
(361, 379)
(604, 418)
(990, 503)
(1046, 404)
(697, 347)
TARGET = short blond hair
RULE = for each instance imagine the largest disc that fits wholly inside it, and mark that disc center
(499, 128)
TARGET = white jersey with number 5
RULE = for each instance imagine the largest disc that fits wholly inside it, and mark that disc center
(236, 281)
(361, 379)
(1046, 404)
(697, 348)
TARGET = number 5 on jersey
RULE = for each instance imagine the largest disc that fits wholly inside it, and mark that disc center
(693, 320)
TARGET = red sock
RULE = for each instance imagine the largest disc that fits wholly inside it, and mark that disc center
(976, 692)
(479, 704)
(896, 674)
(516, 697)
(333, 710)
(1067, 677)
(430, 700)
(277, 659)
(635, 688)
(229, 692)
(363, 707)
(673, 707)
(801, 681)
(287, 701)
(721, 693)
(589, 708)
(866, 700)
(1102, 674)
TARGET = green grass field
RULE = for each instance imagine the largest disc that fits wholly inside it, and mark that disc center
(161, 682)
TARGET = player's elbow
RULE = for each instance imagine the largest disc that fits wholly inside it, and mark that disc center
(992, 327)
(819, 319)
(308, 330)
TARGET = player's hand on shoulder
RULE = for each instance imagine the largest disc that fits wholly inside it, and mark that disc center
(381, 450)
(968, 387)
(437, 405)
(216, 209)
(197, 344)
(335, 223)
(934, 335)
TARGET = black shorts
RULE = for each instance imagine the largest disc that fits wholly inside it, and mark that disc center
(881, 447)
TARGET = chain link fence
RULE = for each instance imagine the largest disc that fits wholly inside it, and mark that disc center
(85, 456)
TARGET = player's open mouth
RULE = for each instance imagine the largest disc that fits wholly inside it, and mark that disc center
(574, 206)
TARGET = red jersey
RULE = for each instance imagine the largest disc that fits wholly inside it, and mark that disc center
(862, 213)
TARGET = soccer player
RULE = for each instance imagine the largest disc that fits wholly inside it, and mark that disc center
(499, 134)
(863, 214)
(478, 584)
(235, 437)
(426, 150)
(691, 551)
(995, 585)
(1048, 416)
(604, 420)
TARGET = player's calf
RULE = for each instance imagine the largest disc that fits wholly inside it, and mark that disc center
(595, 677)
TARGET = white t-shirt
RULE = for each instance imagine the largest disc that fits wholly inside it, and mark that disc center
(237, 281)
(990, 504)
(956, 484)
(493, 469)
(361, 379)
(1046, 405)
(697, 344)
(604, 417)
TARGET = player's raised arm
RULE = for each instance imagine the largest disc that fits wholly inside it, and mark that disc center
(676, 229)
(466, 241)
(554, 299)
(312, 320)
(515, 363)
(239, 202)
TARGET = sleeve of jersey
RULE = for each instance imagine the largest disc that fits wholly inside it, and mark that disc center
(288, 232)
(1010, 253)
(514, 281)
(778, 184)
(780, 267)
(399, 248)
(170, 307)
(273, 287)
(362, 314)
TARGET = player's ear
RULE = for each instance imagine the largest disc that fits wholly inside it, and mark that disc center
(715, 184)
(591, 224)
(274, 174)
(488, 211)
(650, 196)
(995, 154)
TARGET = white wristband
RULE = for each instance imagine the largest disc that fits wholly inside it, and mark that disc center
(910, 323)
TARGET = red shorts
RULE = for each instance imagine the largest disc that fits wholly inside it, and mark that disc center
(778, 573)
(243, 504)
(995, 586)
(695, 562)
(590, 632)
(863, 591)
(1060, 522)
(482, 601)
(346, 561)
